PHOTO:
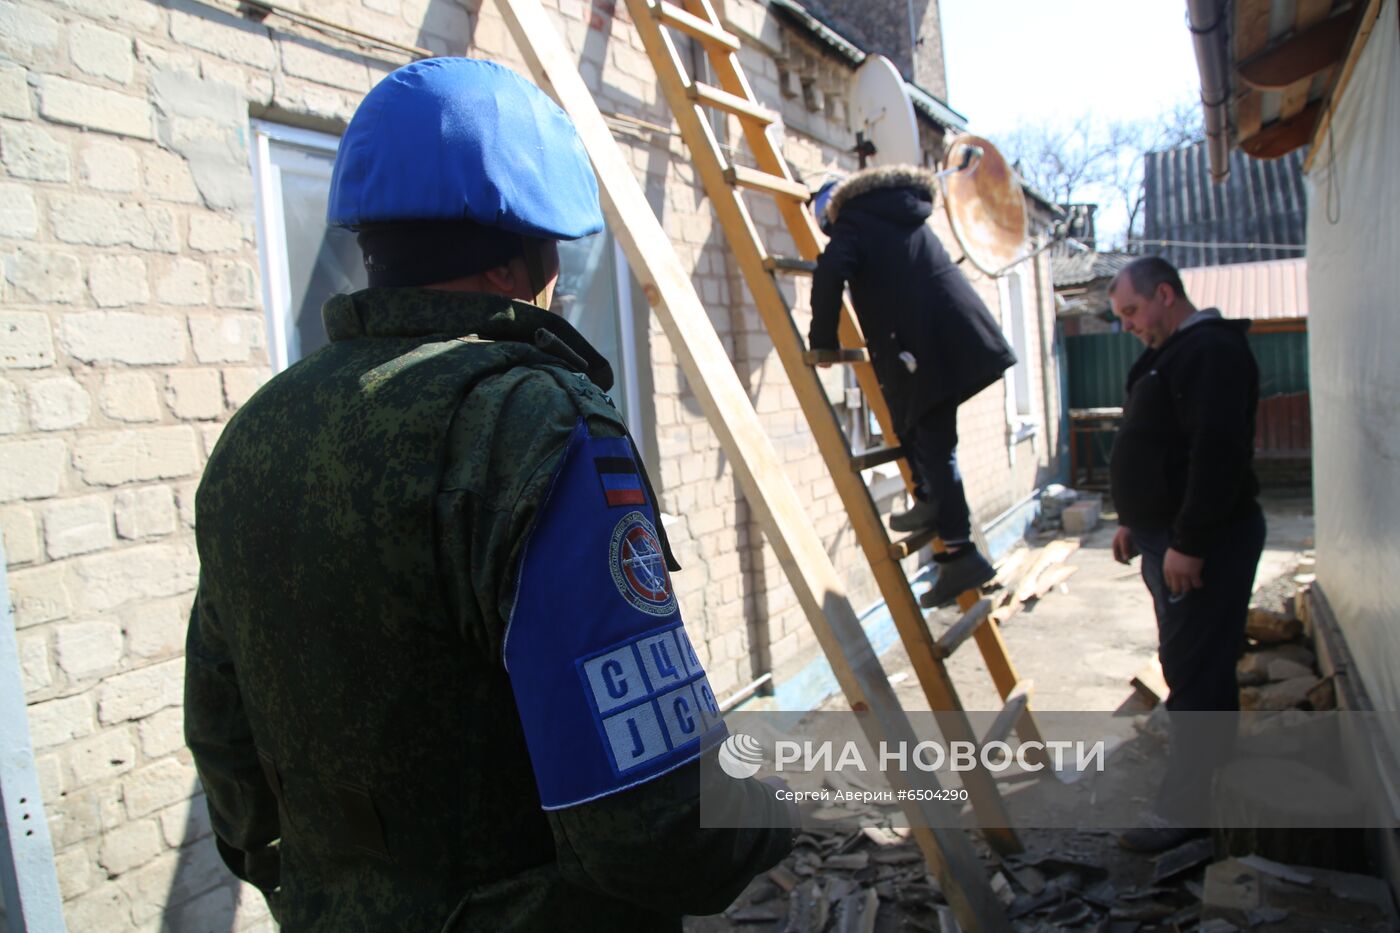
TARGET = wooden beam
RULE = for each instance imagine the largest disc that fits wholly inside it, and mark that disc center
(1283, 136)
(1339, 86)
(1300, 93)
(1300, 56)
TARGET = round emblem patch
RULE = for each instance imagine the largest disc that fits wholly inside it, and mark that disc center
(639, 566)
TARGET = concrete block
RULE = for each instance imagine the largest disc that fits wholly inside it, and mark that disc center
(106, 908)
(130, 846)
(157, 786)
(14, 91)
(90, 220)
(77, 526)
(94, 108)
(129, 396)
(141, 692)
(148, 512)
(155, 630)
(210, 434)
(57, 722)
(57, 404)
(235, 285)
(240, 384)
(1081, 518)
(185, 282)
(23, 29)
(28, 151)
(115, 458)
(162, 734)
(34, 663)
(110, 166)
(118, 281)
(186, 820)
(227, 338)
(85, 650)
(339, 69)
(101, 757)
(101, 52)
(31, 469)
(39, 595)
(11, 408)
(194, 393)
(245, 42)
(25, 341)
(75, 874)
(122, 337)
(168, 177)
(215, 233)
(45, 275)
(20, 532)
(184, 501)
(19, 216)
(101, 582)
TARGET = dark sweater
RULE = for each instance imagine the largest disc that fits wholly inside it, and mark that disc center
(1183, 456)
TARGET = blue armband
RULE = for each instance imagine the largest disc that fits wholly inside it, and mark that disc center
(607, 683)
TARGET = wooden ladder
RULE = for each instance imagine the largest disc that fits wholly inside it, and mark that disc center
(724, 183)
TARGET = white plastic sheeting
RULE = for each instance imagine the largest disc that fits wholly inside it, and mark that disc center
(1354, 338)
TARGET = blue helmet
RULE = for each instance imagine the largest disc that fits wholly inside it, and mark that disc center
(819, 203)
(462, 139)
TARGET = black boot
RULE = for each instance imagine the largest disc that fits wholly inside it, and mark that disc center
(963, 570)
(920, 515)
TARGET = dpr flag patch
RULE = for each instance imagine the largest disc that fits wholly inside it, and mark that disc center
(622, 484)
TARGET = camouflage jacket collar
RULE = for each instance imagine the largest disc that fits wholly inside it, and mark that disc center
(421, 312)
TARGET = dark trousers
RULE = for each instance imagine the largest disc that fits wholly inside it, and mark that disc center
(932, 450)
(1200, 638)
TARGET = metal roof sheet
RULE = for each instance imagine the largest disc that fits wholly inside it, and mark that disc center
(1088, 266)
(1256, 290)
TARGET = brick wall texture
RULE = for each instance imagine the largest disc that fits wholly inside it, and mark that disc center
(132, 326)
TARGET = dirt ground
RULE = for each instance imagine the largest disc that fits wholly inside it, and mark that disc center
(1080, 646)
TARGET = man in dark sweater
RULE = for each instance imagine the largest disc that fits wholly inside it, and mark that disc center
(1185, 491)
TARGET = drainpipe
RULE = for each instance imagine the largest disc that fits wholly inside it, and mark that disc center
(1207, 21)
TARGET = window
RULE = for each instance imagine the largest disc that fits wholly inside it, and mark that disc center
(1019, 394)
(304, 262)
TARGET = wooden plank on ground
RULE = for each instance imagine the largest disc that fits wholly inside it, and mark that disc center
(1056, 552)
(1150, 682)
(1052, 578)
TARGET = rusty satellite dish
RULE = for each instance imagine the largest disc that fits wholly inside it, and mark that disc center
(985, 205)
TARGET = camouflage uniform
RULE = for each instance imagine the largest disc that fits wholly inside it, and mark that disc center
(360, 526)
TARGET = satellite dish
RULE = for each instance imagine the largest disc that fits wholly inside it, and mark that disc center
(883, 114)
(985, 204)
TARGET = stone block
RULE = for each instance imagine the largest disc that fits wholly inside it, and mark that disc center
(130, 846)
(148, 512)
(129, 396)
(85, 650)
(217, 906)
(338, 69)
(111, 579)
(57, 404)
(115, 458)
(34, 663)
(101, 52)
(247, 43)
(45, 275)
(94, 108)
(57, 722)
(31, 469)
(215, 233)
(122, 337)
(157, 786)
(210, 434)
(31, 152)
(141, 692)
(156, 630)
(14, 92)
(11, 408)
(90, 220)
(186, 282)
(184, 501)
(19, 216)
(186, 821)
(118, 281)
(77, 526)
(1266, 626)
(104, 909)
(100, 757)
(194, 393)
(39, 595)
(75, 874)
(228, 338)
(110, 166)
(235, 285)
(20, 533)
(240, 384)
(162, 734)
(168, 177)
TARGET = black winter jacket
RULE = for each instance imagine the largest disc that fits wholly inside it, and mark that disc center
(908, 295)
(1184, 452)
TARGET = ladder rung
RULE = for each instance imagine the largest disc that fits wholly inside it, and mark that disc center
(875, 457)
(1016, 704)
(905, 546)
(960, 630)
(844, 355)
(790, 264)
(712, 96)
(693, 25)
(759, 180)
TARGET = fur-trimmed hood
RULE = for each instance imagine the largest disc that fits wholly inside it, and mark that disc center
(877, 178)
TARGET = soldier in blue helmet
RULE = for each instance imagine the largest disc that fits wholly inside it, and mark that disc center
(436, 677)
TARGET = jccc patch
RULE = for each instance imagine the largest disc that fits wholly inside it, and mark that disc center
(639, 566)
